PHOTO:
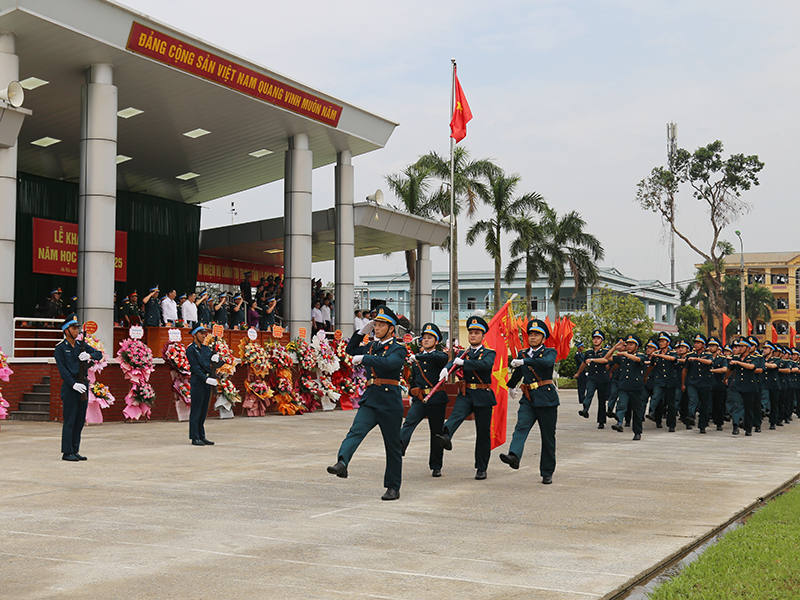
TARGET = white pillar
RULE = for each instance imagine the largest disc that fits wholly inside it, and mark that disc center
(423, 285)
(345, 243)
(297, 235)
(9, 71)
(97, 200)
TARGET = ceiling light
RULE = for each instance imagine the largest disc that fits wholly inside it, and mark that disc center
(31, 83)
(121, 158)
(260, 153)
(196, 133)
(273, 251)
(127, 113)
(45, 142)
(187, 176)
(367, 248)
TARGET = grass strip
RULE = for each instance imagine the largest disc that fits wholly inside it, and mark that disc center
(759, 560)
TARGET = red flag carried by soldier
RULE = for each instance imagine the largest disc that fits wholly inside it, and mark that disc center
(503, 338)
(461, 113)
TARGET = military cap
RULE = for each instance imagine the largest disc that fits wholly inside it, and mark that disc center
(247, 273)
(769, 345)
(223, 294)
(56, 291)
(133, 293)
(713, 341)
(578, 344)
(665, 336)
(69, 322)
(753, 341)
(683, 343)
(154, 289)
(741, 342)
(475, 322)
(794, 351)
(386, 314)
(728, 348)
(632, 338)
(651, 343)
(432, 329)
(237, 297)
(198, 329)
(598, 333)
(700, 338)
(182, 296)
(540, 326)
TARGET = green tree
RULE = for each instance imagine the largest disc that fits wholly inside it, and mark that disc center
(526, 252)
(717, 182)
(506, 210)
(565, 244)
(411, 187)
(616, 314)
(689, 320)
(758, 301)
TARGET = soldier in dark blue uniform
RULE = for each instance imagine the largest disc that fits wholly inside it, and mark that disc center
(580, 375)
(682, 399)
(382, 403)
(69, 354)
(221, 310)
(539, 403)
(631, 363)
(794, 385)
(719, 366)
(772, 383)
(428, 363)
(649, 385)
(237, 312)
(475, 397)
(152, 308)
(743, 392)
(597, 379)
(203, 382)
(697, 381)
(203, 310)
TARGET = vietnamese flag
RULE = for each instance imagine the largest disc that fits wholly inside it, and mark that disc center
(749, 327)
(461, 112)
(792, 335)
(726, 320)
(503, 338)
(774, 334)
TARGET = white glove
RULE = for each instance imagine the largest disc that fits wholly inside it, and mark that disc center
(211, 381)
(215, 357)
(458, 361)
(412, 357)
(84, 356)
(357, 359)
(517, 362)
(513, 393)
(79, 387)
(367, 328)
(443, 374)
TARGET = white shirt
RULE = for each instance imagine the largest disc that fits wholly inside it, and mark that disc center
(189, 311)
(169, 310)
(316, 315)
(326, 313)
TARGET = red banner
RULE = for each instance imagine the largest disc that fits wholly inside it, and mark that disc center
(503, 338)
(55, 249)
(191, 59)
(211, 269)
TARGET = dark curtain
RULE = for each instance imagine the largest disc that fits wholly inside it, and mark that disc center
(163, 241)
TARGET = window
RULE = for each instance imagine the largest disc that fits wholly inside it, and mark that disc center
(755, 278)
(437, 303)
(761, 328)
(782, 327)
(535, 304)
(780, 279)
(781, 303)
(472, 303)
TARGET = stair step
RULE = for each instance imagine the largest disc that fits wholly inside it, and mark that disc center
(42, 407)
(24, 415)
(36, 397)
(46, 380)
(41, 388)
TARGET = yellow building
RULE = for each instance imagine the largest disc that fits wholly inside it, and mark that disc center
(780, 272)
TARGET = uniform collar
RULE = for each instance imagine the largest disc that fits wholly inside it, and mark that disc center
(476, 348)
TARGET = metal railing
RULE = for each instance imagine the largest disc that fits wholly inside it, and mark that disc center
(36, 337)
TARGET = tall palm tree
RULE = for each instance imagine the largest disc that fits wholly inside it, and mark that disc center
(410, 187)
(566, 244)
(467, 181)
(697, 293)
(498, 194)
(758, 303)
(526, 252)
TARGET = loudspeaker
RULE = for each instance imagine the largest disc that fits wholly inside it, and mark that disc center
(377, 197)
(13, 94)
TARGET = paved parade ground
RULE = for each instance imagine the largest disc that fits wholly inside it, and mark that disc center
(256, 516)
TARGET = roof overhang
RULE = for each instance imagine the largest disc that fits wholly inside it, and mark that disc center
(57, 40)
(378, 230)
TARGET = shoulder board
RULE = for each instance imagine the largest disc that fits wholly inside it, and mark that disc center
(61, 342)
(487, 348)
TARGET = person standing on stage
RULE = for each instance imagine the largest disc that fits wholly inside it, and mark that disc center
(189, 310)
(476, 396)
(428, 363)
(539, 403)
(697, 381)
(238, 312)
(152, 308)
(382, 402)
(169, 309)
(246, 289)
(202, 361)
(130, 312)
(221, 310)
(69, 354)
(597, 379)
(203, 309)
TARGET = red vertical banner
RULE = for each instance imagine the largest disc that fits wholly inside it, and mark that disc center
(503, 338)
(792, 335)
(774, 334)
(726, 320)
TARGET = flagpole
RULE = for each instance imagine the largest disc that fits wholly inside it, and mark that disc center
(453, 309)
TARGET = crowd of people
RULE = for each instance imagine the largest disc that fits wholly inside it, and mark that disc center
(696, 383)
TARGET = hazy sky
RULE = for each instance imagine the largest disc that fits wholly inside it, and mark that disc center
(574, 96)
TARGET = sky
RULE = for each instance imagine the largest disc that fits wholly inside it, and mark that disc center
(574, 96)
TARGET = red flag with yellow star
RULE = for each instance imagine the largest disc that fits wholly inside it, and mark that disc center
(503, 338)
(461, 113)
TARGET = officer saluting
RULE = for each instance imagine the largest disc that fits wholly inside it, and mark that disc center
(152, 308)
(382, 403)
(534, 367)
(475, 397)
(425, 372)
(202, 384)
(69, 354)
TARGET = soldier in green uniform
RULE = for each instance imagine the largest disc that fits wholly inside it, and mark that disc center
(719, 366)
(221, 310)
(130, 313)
(597, 379)
(382, 403)
(697, 381)
(649, 384)
(794, 385)
(428, 363)
(476, 396)
(203, 310)
(743, 390)
(539, 403)
(631, 363)
(152, 308)
(772, 383)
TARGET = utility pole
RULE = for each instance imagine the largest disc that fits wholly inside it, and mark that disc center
(672, 150)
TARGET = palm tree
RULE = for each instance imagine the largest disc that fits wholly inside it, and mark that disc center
(526, 251)
(467, 182)
(758, 300)
(410, 187)
(697, 293)
(498, 194)
(566, 244)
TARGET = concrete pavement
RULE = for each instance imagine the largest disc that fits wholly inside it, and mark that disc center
(257, 516)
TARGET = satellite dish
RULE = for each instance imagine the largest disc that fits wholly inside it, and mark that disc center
(377, 197)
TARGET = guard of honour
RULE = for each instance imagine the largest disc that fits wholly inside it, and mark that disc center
(737, 383)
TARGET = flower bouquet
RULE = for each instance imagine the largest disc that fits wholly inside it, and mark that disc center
(3, 406)
(139, 401)
(289, 404)
(339, 348)
(228, 395)
(180, 323)
(279, 357)
(174, 355)
(182, 391)
(328, 362)
(100, 394)
(98, 365)
(307, 357)
(257, 398)
(219, 346)
(135, 360)
(254, 355)
(5, 370)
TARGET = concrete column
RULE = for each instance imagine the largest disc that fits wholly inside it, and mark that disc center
(345, 243)
(297, 235)
(9, 71)
(97, 200)
(423, 285)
